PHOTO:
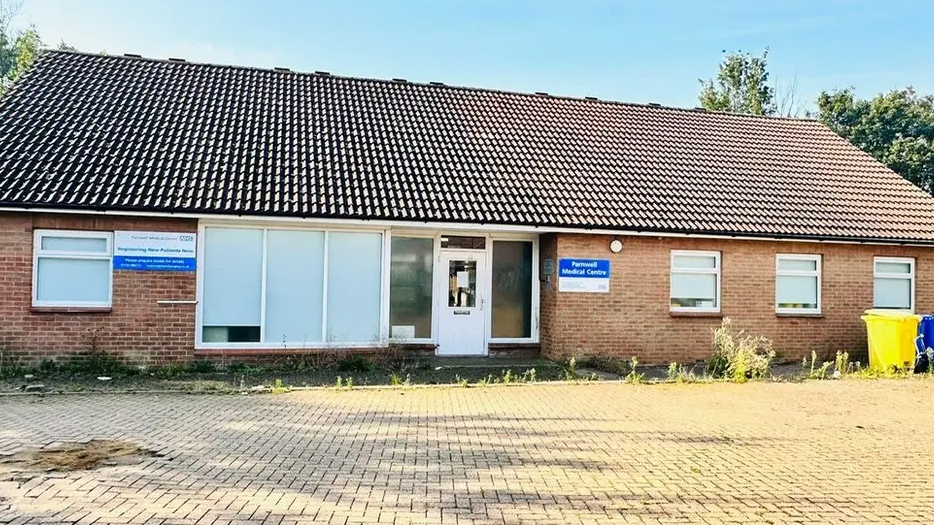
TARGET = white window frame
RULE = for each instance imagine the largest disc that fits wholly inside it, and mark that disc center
(262, 344)
(799, 273)
(910, 276)
(702, 271)
(38, 252)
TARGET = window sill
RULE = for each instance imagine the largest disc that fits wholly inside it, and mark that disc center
(242, 351)
(70, 309)
(812, 315)
(695, 314)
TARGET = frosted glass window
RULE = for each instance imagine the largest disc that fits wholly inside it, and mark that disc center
(72, 268)
(797, 283)
(692, 261)
(798, 265)
(73, 281)
(796, 292)
(512, 289)
(695, 281)
(294, 286)
(694, 290)
(74, 244)
(893, 268)
(410, 287)
(892, 293)
(893, 283)
(233, 274)
(353, 302)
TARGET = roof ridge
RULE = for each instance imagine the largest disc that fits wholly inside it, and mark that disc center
(434, 85)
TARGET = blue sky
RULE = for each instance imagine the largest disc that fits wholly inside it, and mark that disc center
(639, 51)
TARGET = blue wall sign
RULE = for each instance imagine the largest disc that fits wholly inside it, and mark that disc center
(584, 275)
(155, 251)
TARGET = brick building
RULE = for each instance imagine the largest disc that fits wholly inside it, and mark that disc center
(167, 211)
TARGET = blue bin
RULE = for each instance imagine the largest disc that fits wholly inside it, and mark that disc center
(924, 341)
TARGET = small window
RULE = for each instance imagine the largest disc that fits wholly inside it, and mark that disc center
(797, 284)
(894, 283)
(72, 268)
(463, 243)
(695, 281)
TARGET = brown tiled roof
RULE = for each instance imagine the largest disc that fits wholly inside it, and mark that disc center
(125, 133)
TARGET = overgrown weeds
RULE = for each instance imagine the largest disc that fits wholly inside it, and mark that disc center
(738, 356)
(680, 374)
(815, 371)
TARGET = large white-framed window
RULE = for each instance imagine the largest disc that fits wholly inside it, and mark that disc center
(272, 286)
(695, 281)
(797, 284)
(72, 268)
(893, 283)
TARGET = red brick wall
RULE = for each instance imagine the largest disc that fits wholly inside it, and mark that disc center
(634, 319)
(136, 328)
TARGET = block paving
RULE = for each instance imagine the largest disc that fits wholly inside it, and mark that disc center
(818, 452)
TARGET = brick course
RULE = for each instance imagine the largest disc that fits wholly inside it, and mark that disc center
(634, 318)
(137, 329)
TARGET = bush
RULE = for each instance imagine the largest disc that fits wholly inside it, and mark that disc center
(738, 356)
(354, 363)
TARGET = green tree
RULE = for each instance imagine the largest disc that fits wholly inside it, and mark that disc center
(18, 49)
(897, 128)
(741, 86)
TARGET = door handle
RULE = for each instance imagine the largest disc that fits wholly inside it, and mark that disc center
(481, 304)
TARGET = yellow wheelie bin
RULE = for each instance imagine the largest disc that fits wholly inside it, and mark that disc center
(891, 337)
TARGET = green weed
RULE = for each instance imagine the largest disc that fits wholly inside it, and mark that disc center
(634, 377)
(508, 377)
(570, 370)
(817, 372)
(278, 388)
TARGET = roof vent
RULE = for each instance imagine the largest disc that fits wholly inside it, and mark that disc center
(591, 98)
(655, 104)
(283, 69)
(542, 93)
(132, 55)
(436, 83)
(399, 80)
(325, 73)
(173, 59)
(700, 109)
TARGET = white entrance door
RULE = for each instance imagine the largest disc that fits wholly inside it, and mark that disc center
(461, 328)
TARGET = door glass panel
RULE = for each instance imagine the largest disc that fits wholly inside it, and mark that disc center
(462, 284)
